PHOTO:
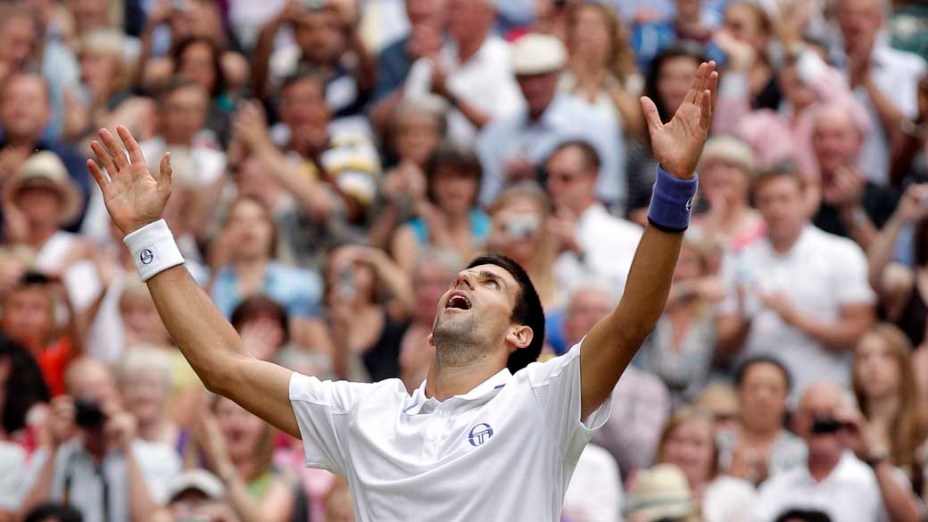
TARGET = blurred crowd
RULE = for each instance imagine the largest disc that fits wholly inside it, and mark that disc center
(336, 162)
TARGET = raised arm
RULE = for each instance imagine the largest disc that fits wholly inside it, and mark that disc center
(613, 341)
(135, 198)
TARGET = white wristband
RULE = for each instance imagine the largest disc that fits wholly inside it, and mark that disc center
(153, 249)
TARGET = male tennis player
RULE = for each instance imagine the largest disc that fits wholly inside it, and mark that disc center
(475, 442)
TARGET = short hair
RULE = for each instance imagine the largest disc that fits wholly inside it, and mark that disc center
(174, 84)
(591, 157)
(784, 170)
(431, 106)
(454, 157)
(527, 310)
(305, 72)
(443, 258)
(146, 358)
(742, 370)
(260, 306)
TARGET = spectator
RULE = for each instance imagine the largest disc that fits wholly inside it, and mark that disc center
(661, 493)
(679, 351)
(364, 326)
(106, 478)
(473, 72)
(901, 297)
(139, 321)
(521, 230)
(451, 219)
(195, 493)
(238, 448)
(511, 149)
(884, 80)
(601, 67)
(759, 446)
(885, 388)
(688, 24)
(20, 40)
(800, 294)
(720, 399)
(852, 204)
(833, 480)
(145, 383)
(726, 170)
(595, 491)
(687, 442)
(22, 388)
(745, 37)
(591, 241)
(53, 513)
(244, 255)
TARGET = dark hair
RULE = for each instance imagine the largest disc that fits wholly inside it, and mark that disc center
(172, 85)
(591, 157)
(742, 370)
(304, 72)
(806, 515)
(24, 388)
(920, 244)
(681, 49)
(219, 85)
(268, 215)
(527, 310)
(461, 160)
(260, 306)
(57, 512)
(785, 169)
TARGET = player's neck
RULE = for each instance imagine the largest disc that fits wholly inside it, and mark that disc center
(445, 381)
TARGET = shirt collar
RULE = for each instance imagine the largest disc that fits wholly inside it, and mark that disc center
(553, 116)
(420, 403)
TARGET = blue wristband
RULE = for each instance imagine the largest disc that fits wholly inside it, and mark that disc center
(672, 201)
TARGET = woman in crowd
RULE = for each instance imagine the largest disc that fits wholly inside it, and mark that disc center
(239, 448)
(759, 445)
(688, 443)
(680, 349)
(884, 385)
(22, 388)
(601, 67)
(744, 38)
(368, 302)
(725, 172)
(200, 59)
(521, 231)
(145, 382)
(450, 219)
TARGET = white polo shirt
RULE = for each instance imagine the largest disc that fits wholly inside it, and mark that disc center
(503, 451)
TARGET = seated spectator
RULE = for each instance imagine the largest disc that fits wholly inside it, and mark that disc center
(902, 300)
(688, 442)
(246, 265)
(591, 242)
(680, 350)
(368, 300)
(512, 149)
(238, 448)
(196, 493)
(852, 204)
(21, 38)
(719, 399)
(521, 230)
(139, 320)
(688, 24)
(744, 39)
(885, 388)
(726, 169)
(451, 218)
(833, 479)
(145, 383)
(601, 68)
(109, 477)
(661, 493)
(800, 294)
(759, 446)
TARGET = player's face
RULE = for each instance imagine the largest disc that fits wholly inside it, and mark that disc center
(477, 309)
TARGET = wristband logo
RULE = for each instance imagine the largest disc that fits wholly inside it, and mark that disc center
(146, 256)
(689, 205)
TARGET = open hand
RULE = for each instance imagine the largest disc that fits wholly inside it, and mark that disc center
(677, 145)
(134, 197)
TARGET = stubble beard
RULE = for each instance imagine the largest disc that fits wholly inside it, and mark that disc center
(457, 340)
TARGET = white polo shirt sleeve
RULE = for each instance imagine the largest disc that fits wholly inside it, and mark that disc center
(318, 406)
(556, 385)
(850, 275)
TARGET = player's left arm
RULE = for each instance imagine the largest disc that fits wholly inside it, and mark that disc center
(613, 341)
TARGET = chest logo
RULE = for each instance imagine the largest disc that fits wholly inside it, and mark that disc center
(479, 434)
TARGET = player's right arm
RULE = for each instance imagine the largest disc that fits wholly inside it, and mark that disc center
(135, 197)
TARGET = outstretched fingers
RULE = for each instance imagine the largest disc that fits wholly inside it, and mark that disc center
(165, 171)
(132, 146)
(104, 158)
(651, 115)
(98, 175)
(699, 84)
(115, 151)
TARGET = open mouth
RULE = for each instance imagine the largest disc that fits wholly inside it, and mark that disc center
(458, 302)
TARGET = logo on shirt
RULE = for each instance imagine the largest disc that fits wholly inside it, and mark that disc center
(479, 434)
(146, 256)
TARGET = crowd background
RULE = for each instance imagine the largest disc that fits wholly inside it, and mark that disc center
(336, 162)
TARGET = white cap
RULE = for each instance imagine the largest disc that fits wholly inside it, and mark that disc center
(198, 480)
(537, 53)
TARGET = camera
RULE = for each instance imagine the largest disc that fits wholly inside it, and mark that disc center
(88, 415)
(826, 426)
(522, 227)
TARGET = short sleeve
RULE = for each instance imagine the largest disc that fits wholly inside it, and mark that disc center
(556, 385)
(159, 465)
(317, 406)
(850, 277)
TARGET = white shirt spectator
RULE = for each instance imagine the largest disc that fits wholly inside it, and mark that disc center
(728, 499)
(79, 277)
(76, 472)
(485, 81)
(12, 459)
(595, 491)
(819, 275)
(412, 457)
(850, 493)
(608, 244)
(195, 167)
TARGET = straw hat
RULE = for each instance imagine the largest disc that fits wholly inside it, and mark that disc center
(46, 170)
(661, 492)
(538, 53)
